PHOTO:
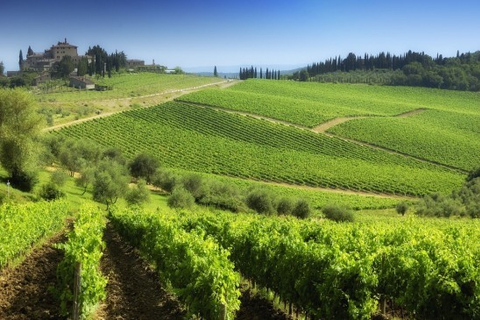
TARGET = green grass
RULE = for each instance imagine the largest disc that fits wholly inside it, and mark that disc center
(204, 140)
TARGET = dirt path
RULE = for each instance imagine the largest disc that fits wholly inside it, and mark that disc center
(133, 290)
(172, 94)
(322, 128)
(411, 113)
(24, 292)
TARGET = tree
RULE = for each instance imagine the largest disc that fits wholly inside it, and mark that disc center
(139, 194)
(144, 166)
(110, 182)
(20, 124)
(82, 67)
(2, 68)
(215, 73)
(86, 178)
(402, 208)
(30, 51)
(20, 60)
(304, 75)
(64, 67)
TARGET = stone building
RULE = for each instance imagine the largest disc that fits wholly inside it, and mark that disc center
(44, 61)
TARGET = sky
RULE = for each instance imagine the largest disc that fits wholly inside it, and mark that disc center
(229, 34)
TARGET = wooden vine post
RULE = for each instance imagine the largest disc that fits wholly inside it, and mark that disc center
(223, 312)
(77, 288)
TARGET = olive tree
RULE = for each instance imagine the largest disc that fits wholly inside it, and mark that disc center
(20, 125)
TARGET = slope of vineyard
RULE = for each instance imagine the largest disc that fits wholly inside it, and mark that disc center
(328, 270)
(204, 140)
(447, 137)
(310, 104)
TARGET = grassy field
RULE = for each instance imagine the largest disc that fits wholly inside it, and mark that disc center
(129, 90)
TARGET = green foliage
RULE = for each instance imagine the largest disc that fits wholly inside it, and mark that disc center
(473, 174)
(110, 182)
(402, 208)
(181, 199)
(285, 206)
(144, 166)
(243, 147)
(63, 68)
(262, 201)
(339, 271)
(338, 214)
(450, 137)
(58, 178)
(302, 209)
(19, 126)
(84, 245)
(193, 183)
(196, 268)
(166, 180)
(50, 192)
(139, 194)
(21, 226)
(462, 202)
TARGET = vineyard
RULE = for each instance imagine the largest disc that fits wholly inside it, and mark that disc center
(61, 259)
(448, 138)
(421, 268)
(204, 140)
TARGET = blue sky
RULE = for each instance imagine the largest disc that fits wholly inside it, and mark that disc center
(231, 33)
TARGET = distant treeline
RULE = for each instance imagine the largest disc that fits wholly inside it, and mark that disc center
(411, 69)
(248, 73)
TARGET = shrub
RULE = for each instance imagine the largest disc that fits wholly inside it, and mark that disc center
(24, 181)
(193, 183)
(144, 166)
(222, 196)
(285, 206)
(166, 180)
(337, 213)
(138, 194)
(51, 192)
(59, 177)
(302, 209)
(181, 198)
(402, 208)
(261, 201)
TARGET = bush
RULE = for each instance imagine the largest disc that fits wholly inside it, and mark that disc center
(285, 206)
(59, 177)
(24, 181)
(261, 201)
(221, 195)
(193, 183)
(144, 166)
(337, 213)
(166, 180)
(181, 198)
(402, 208)
(51, 192)
(139, 194)
(302, 209)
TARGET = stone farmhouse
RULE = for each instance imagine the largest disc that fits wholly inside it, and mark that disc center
(41, 62)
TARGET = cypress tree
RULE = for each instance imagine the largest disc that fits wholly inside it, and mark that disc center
(215, 73)
(20, 59)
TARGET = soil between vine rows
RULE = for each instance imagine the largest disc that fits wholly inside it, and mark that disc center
(133, 290)
(24, 292)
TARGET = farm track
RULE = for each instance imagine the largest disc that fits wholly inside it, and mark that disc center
(24, 289)
(175, 94)
(322, 129)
